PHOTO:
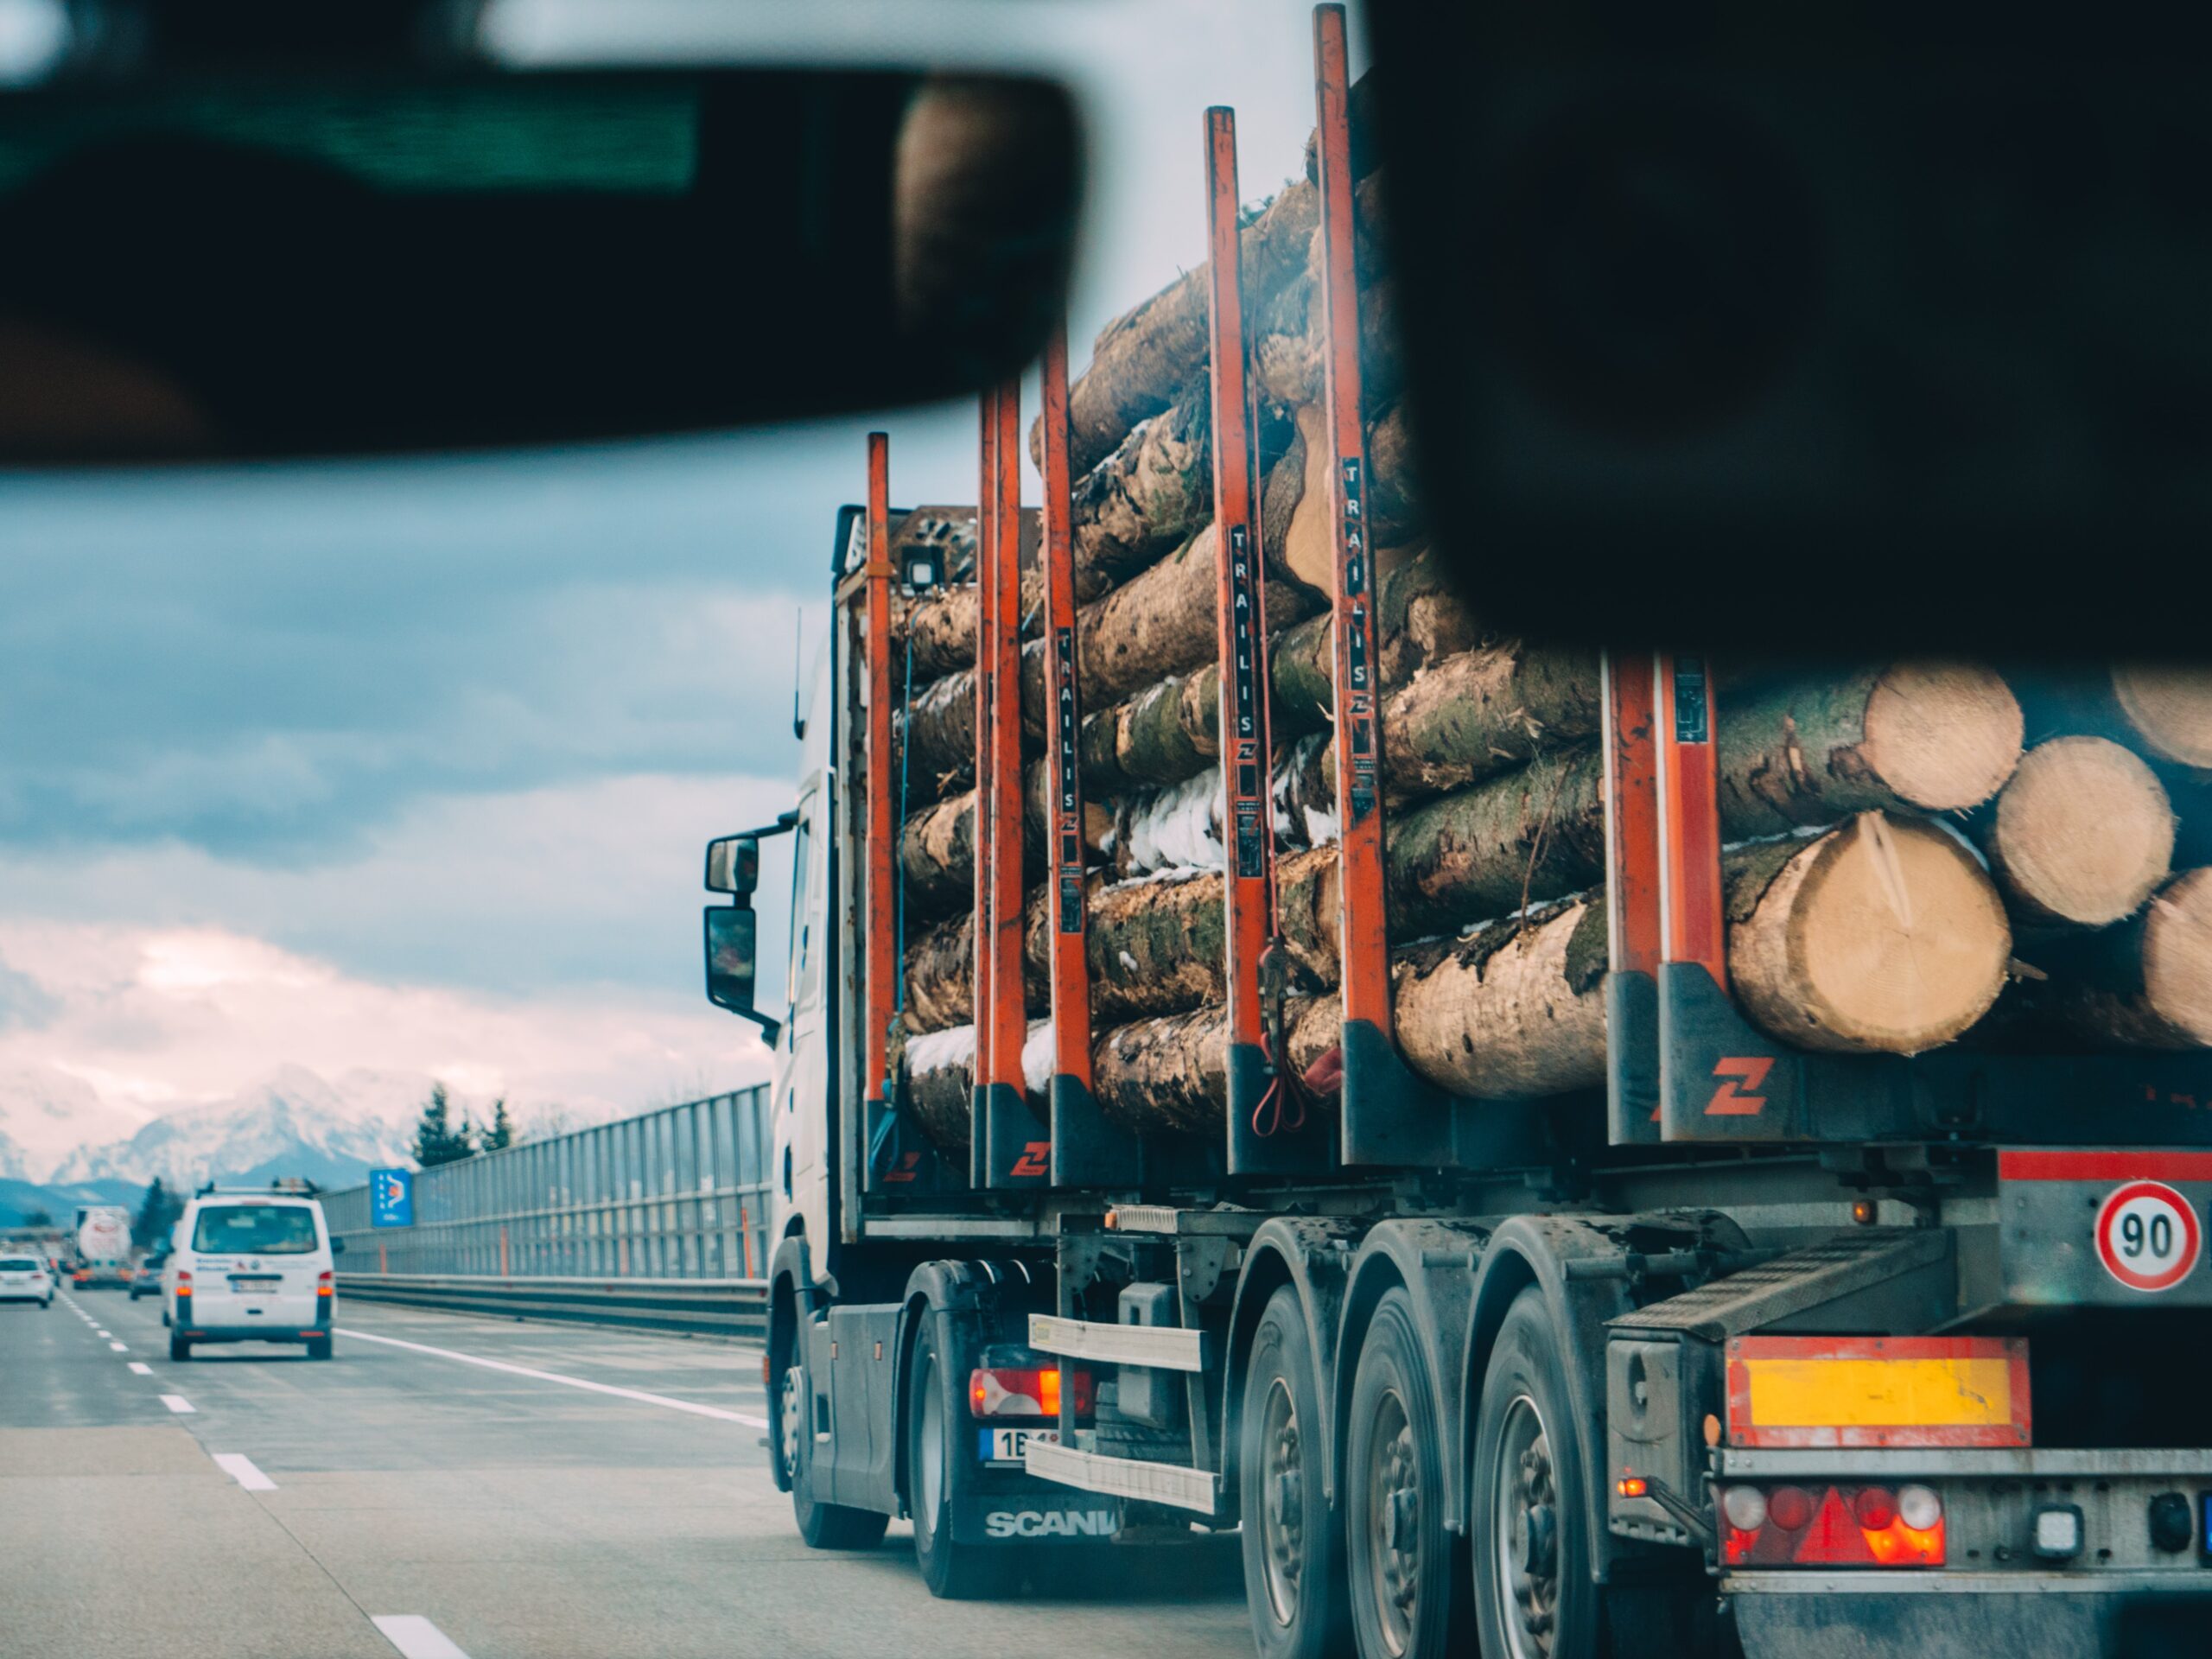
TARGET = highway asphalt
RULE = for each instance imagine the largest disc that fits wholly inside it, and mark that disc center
(456, 1485)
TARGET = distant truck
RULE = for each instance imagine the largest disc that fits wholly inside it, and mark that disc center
(103, 1241)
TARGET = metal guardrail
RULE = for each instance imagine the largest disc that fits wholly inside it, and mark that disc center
(733, 1307)
(681, 1193)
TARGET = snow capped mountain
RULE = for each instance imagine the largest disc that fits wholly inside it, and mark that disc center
(45, 1112)
(292, 1121)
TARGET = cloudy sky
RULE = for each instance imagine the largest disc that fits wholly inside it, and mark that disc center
(408, 766)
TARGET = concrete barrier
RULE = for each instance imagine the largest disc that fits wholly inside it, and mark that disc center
(733, 1308)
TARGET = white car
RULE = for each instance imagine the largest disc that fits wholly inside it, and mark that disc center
(249, 1265)
(24, 1279)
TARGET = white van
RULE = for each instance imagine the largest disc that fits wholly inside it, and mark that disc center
(249, 1265)
(24, 1279)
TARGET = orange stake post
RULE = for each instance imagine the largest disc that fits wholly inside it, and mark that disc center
(986, 590)
(881, 954)
(1257, 1103)
(1689, 815)
(1634, 938)
(1071, 965)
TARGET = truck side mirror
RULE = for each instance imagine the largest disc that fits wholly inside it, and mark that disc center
(731, 934)
(734, 867)
(338, 1247)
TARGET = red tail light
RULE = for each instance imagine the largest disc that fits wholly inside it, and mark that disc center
(325, 1283)
(184, 1281)
(1854, 1526)
(1024, 1391)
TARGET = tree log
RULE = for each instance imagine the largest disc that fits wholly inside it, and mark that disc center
(1418, 618)
(1144, 359)
(2080, 836)
(1153, 494)
(1489, 850)
(937, 845)
(1915, 737)
(940, 625)
(2147, 983)
(1170, 1074)
(939, 1072)
(2170, 709)
(1516, 1010)
(1477, 713)
(1882, 936)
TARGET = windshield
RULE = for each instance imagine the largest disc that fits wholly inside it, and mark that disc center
(17, 1264)
(262, 1229)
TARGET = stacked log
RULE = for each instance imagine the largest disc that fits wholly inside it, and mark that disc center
(1895, 845)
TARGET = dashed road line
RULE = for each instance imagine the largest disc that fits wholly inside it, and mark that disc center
(178, 1403)
(120, 1348)
(416, 1638)
(239, 1467)
(692, 1406)
(140, 1367)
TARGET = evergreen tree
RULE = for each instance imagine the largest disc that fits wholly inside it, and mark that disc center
(35, 1217)
(157, 1212)
(502, 1132)
(436, 1139)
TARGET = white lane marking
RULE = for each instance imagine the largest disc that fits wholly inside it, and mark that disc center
(416, 1636)
(119, 1348)
(104, 1333)
(140, 1367)
(691, 1406)
(177, 1404)
(239, 1467)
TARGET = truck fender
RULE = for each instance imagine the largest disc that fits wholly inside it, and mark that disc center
(1434, 1262)
(792, 1295)
(1314, 1255)
(973, 1303)
(1528, 1250)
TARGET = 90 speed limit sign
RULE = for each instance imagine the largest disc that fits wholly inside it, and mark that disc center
(2148, 1237)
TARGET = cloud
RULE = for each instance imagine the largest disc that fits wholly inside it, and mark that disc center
(156, 1018)
(23, 1005)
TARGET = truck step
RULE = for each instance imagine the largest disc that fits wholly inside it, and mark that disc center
(1166, 1347)
(1175, 1484)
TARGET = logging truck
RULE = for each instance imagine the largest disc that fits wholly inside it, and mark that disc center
(1575, 1152)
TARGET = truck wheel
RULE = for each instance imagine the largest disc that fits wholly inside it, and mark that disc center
(821, 1526)
(1405, 1602)
(1293, 1550)
(953, 1570)
(180, 1349)
(1534, 1599)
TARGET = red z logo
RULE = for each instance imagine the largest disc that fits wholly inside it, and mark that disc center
(1031, 1166)
(908, 1164)
(1731, 1101)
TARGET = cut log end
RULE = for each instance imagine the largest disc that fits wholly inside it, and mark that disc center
(1883, 937)
(2082, 834)
(1942, 737)
(2177, 956)
(2170, 708)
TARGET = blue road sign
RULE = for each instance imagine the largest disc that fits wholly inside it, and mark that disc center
(392, 1197)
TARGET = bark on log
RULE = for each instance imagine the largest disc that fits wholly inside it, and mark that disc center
(937, 845)
(2147, 983)
(1882, 936)
(1915, 737)
(1153, 494)
(1418, 618)
(941, 628)
(939, 1073)
(2080, 836)
(1167, 1074)
(1516, 1010)
(1487, 851)
(1147, 356)
(1477, 713)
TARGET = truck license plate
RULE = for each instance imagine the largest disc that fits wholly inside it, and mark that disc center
(1006, 1444)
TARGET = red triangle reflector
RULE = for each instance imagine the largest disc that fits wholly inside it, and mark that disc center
(1833, 1538)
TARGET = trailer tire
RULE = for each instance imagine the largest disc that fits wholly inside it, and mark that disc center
(1534, 1595)
(1293, 1536)
(954, 1571)
(821, 1526)
(179, 1349)
(1406, 1569)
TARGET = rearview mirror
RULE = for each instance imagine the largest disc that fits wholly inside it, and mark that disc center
(733, 864)
(328, 260)
(731, 938)
(338, 1247)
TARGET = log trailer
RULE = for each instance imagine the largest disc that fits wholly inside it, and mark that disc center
(1819, 1354)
